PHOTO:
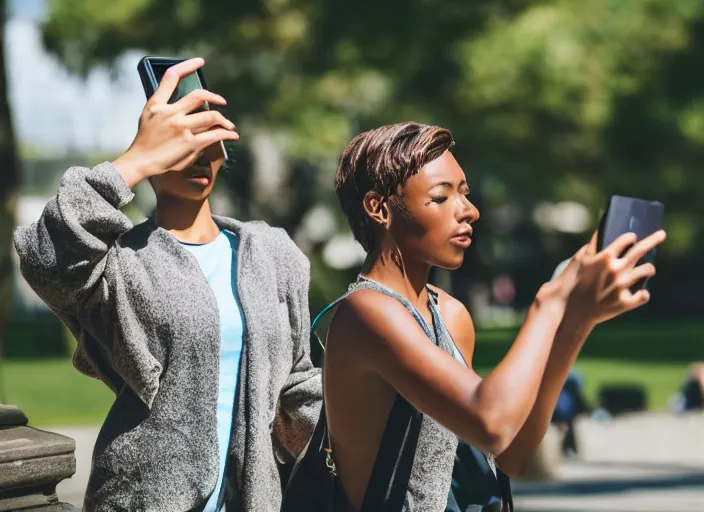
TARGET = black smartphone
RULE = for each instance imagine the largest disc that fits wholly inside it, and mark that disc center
(631, 215)
(151, 71)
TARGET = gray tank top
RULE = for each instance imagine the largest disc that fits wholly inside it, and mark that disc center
(431, 474)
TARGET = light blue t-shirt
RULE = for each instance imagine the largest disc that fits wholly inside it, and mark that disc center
(218, 261)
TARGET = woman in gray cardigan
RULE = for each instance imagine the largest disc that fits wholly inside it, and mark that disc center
(199, 324)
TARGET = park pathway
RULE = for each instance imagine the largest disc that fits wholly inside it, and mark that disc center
(641, 463)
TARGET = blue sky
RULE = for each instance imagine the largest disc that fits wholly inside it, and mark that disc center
(55, 111)
(27, 8)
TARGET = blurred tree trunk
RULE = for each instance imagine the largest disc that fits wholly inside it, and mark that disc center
(9, 188)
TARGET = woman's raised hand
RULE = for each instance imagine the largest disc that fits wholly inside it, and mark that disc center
(172, 136)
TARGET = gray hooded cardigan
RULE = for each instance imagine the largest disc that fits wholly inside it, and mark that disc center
(147, 325)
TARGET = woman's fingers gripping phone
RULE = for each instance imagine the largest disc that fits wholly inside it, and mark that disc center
(171, 77)
(203, 121)
(206, 138)
(170, 137)
(196, 99)
(619, 246)
(639, 250)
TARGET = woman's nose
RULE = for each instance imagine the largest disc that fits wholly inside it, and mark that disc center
(468, 213)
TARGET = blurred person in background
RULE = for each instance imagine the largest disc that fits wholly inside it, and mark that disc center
(394, 338)
(691, 394)
(199, 324)
(571, 402)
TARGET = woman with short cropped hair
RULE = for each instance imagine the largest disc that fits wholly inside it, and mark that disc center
(396, 339)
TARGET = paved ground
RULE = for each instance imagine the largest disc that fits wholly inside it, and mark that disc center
(72, 490)
(644, 463)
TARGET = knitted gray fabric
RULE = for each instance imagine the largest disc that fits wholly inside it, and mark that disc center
(147, 325)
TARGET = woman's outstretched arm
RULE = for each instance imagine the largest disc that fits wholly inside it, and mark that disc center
(489, 413)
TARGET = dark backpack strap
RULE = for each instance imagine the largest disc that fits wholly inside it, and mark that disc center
(505, 485)
(386, 490)
(399, 484)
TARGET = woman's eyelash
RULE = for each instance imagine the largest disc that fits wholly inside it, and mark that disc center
(442, 199)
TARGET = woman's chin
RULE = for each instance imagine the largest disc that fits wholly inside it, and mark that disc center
(452, 263)
(190, 194)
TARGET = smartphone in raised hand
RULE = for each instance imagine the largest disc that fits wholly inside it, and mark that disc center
(151, 71)
(631, 215)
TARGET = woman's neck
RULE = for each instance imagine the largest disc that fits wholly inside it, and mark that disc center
(188, 221)
(404, 276)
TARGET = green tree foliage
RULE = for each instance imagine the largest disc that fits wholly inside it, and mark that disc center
(548, 100)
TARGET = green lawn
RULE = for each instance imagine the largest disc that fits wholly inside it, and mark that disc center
(655, 356)
(660, 380)
(53, 393)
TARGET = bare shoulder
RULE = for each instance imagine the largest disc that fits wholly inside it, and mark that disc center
(371, 312)
(369, 323)
(453, 311)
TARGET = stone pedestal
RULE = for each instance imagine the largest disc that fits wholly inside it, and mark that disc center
(32, 463)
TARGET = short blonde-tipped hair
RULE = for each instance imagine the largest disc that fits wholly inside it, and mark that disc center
(381, 161)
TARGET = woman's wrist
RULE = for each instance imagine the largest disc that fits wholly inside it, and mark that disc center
(578, 315)
(130, 168)
(551, 299)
